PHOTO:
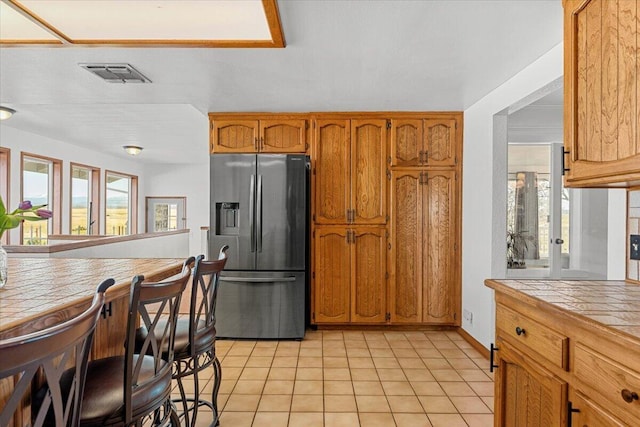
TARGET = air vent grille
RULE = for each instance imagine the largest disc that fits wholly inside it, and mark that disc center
(116, 73)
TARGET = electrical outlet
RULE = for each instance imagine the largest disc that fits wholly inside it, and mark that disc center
(634, 246)
(468, 316)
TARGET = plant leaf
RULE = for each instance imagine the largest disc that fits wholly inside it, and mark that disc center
(3, 209)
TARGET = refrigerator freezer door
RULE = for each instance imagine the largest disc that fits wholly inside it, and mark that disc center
(232, 191)
(281, 213)
(261, 305)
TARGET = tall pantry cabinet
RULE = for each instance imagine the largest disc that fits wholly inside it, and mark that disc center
(425, 193)
(386, 218)
(350, 216)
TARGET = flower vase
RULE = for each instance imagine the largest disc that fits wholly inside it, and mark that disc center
(4, 266)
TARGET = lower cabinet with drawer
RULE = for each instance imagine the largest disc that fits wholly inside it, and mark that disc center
(553, 368)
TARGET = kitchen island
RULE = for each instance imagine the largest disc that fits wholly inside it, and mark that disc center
(566, 349)
(41, 292)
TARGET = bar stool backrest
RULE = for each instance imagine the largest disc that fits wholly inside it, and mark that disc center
(203, 299)
(46, 355)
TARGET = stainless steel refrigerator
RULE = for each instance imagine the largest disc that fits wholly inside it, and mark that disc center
(259, 208)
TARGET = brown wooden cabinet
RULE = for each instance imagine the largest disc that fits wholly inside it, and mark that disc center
(424, 142)
(602, 113)
(350, 174)
(268, 135)
(526, 392)
(584, 412)
(423, 246)
(350, 274)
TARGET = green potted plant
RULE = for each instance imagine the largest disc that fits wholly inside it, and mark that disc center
(517, 247)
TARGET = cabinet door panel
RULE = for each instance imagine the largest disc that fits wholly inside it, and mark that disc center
(439, 294)
(332, 275)
(332, 166)
(234, 136)
(602, 118)
(406, 250)
(368, 171)
(406, 142)
(283, 136)
(440, 141)
(526, 393)
(369, 300)
(588, 414)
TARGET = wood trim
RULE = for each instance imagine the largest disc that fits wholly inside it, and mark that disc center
(88, 242)
(378, 327)
(5, 171)
(347, 115)
(474, 343)
(270, 10)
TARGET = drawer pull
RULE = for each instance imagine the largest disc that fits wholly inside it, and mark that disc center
(629, 396)
(519, 331)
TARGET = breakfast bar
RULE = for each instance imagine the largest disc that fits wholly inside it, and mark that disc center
(41, 292)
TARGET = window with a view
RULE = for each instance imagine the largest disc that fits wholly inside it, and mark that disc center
(41, 184)
(120, 209)
(4, 182)
(85, 184)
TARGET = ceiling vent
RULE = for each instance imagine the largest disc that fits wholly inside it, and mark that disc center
(116, 73)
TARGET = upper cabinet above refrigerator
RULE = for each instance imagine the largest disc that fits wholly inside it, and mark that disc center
(260, 134)
(602, 115)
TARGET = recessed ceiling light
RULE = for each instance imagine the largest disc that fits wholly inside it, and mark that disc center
(133, 150)
(6, 113)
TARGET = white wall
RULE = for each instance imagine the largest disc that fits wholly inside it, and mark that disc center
(19, 141)
(477, 189)
(190, 181)
(482, 237)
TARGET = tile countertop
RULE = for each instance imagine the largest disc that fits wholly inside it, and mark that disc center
(612, 304)
(42, 291)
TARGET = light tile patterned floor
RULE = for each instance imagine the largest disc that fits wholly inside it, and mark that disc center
(353, 378)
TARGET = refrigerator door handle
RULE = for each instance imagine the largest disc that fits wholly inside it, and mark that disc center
(252, 229)
(258, 279)
(259, 215)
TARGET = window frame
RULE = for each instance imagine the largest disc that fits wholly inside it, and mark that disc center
(133, 199)
(94, 196)
(55, 204)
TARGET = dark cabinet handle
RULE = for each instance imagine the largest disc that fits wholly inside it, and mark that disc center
(629, 396)
(492, 365)
(572, 411)
(519, 330)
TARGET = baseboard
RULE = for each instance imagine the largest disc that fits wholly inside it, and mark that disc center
(363, 327)
(474, 343)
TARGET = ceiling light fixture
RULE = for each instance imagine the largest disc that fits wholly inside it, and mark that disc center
(6, 113)
(133, 150)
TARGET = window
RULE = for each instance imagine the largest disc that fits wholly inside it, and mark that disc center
(85, 192)
(165, 214)
(121, 203)
(41, 184)
(5, 155)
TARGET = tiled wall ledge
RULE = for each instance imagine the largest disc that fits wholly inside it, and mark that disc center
(170, 244)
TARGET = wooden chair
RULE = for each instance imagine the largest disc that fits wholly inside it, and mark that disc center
(195, 348)
(135, 389)
(56, 357)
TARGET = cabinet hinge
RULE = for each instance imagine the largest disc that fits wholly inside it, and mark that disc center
(313, 124)
(388, 124)
(386, 275)
(387, 317)
(387, 219)
(306, 124)
(386, 232)
(306, 145)
(389, 246)
(314, 231)
(455, 316)
(388, 174)
(389, 159)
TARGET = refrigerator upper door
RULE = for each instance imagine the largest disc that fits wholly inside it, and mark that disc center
(281, 212)
(233, 179)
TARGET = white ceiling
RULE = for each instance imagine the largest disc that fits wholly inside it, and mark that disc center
(341, 55)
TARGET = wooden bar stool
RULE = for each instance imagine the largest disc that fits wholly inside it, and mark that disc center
(135, 389)
(56, 357)
(195, 348)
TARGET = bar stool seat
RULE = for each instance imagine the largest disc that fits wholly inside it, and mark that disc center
(135, 389)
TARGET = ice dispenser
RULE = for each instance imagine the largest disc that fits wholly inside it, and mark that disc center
(228, 216)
